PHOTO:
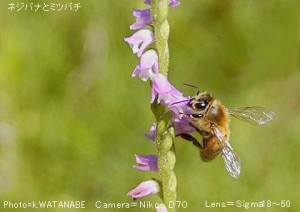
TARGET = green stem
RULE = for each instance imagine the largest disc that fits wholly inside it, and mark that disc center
(165, 134)
(159, 15)
(166, 159)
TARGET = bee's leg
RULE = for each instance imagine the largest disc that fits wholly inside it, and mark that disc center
(188, 137)
(201, 132)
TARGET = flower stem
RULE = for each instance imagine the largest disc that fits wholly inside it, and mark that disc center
(165, 134)
(166, 159)
(159, 15)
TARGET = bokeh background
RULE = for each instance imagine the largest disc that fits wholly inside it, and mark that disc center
(72, 118)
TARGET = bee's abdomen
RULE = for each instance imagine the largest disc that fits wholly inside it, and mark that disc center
(211, 149)
(206, 158)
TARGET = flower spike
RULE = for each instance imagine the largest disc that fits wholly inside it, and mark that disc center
(169, 106)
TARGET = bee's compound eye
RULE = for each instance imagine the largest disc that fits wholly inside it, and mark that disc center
(197, 116)
(201, 105)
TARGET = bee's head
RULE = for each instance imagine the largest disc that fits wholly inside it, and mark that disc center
(200, 102)
(206, 106)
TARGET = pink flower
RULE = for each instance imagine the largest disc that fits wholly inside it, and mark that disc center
(144, 189)
(169, 96)
(140, 40)
(148, 65)
(172, 3)
(143, 18)
(164, 90)
(146, 162)
(182, 125)
(152, 133)
(161, 208)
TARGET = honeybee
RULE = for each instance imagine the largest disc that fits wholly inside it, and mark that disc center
(210, 118)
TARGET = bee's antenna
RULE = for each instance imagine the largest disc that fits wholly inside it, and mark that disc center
(180, 102)
(193, 86)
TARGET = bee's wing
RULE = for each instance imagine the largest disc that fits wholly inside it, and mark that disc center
(256, 114)
(231, 159)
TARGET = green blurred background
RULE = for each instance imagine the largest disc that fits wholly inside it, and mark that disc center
(72, 118)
